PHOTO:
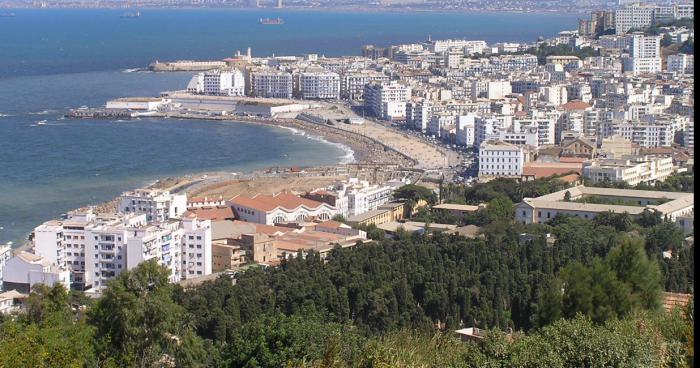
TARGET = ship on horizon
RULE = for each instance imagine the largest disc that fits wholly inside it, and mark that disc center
(271, 21)
(131, 15)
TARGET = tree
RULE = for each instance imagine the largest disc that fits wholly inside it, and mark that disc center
(499, 209)
(415, 193)
(632, 267)
(137, 321)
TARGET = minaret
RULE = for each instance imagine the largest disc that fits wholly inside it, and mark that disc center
(249, 53)
(279, 3)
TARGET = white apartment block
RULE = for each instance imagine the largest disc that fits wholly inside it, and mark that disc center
(363, 197)
(161, 242)
(554, 94)
(438, 123)
(546, 128)
(453, 58)
(218, 83)
(468, 47)
(645, 55)
(25, 270)
(636, 16)
(379, 96)
(466, 130)
(646, 134)
(631, 170)
(272, 84)
(689, 136)
(353, 84)
(614, 42)
(418, 114)
(5, 255)
(500, 159)
(319, 85)
(489, 127)
(196, 248)
(680, 64)
(158, 205)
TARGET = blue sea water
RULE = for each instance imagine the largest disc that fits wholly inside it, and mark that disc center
(52, 60)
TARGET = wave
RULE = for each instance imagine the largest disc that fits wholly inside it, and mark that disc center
(43, 112)
(4, 115)
(349, 155)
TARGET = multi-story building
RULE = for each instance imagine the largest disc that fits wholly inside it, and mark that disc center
(634, 16)
(631, 170)
(387, 100)
(352, 86)
(498, 158)
(319, 85)
(418, 114)
(645, 134)
(680, 64)
(468, 47)
(439, 123)
(466, 130)
(218, 83)
(272, 84)
(5, 255)
(158, 205)
(645, 55)
(196, 248)
(689, 136)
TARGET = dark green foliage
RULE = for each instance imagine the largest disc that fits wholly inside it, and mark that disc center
(607, 289)
(137, 321)
(414, 193)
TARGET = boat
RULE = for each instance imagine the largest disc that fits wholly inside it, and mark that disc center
(271, 21)
(7, 15)
(42, 122)
(131, 15)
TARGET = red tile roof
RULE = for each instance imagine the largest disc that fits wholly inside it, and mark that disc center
(567, 159)
(268, 203)
(545, 169)
(211, 213)
(575, 105)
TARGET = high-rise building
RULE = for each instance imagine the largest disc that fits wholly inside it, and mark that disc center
(272, 84)
(645, 55)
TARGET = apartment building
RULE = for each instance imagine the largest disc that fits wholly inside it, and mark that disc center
(272, 84)
(25, 270)
(645, 55)
(218, 83)
(631, 169)
(319, 85)
(352, 86)
(158, 205)
(500, 159)
(635, 16)
(646, 134)
(680, 64)
(418, 114)
(5, 255)
(387, 100)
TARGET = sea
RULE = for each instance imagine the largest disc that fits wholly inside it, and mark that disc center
(55, 59)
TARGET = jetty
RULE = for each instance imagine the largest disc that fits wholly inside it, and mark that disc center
(100, 113)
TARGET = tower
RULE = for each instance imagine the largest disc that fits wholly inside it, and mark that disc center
(279, 3)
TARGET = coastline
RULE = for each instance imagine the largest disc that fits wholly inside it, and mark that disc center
(359, 150)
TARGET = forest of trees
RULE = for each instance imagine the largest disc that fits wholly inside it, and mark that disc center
(591, 299)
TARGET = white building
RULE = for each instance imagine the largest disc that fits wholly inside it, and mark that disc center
(440, 122)
(5, 255)
(387, 100)
(319, 85)
(645, 55)
(554, 94)
(680, 63)
(280, 208)
(218, 83)
(646, 134)
(498, 158)
(466, 130)
(272, 84)
(158, 205)
(689, 136)
(196, 248)
(468, 47)
(634, 16)
(353, 84)
(418, 114)
(25, 269)
(631, 170)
